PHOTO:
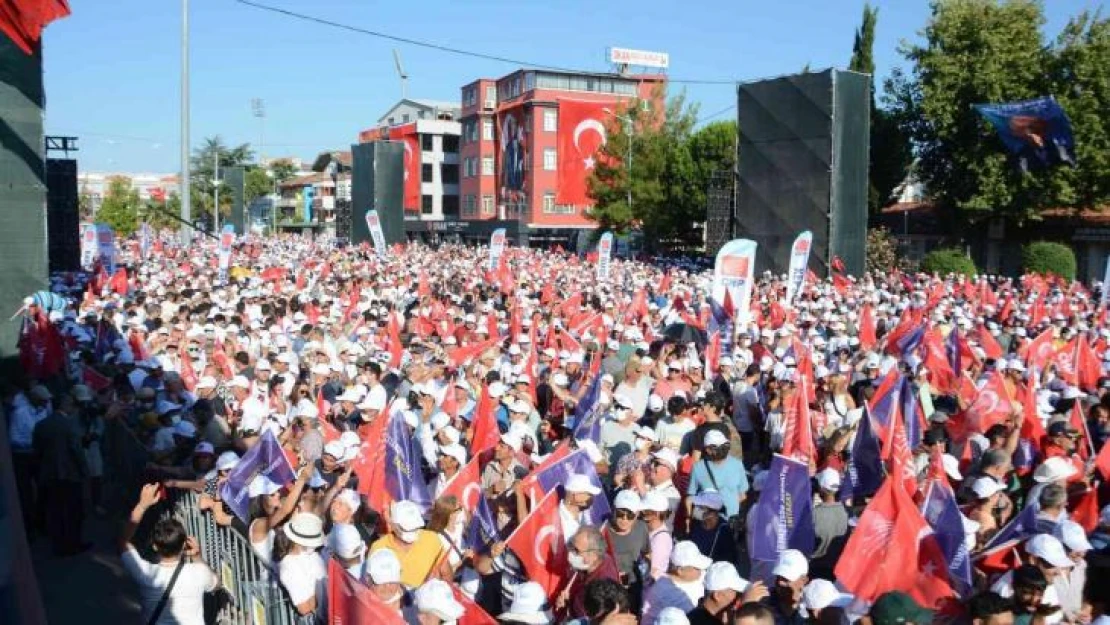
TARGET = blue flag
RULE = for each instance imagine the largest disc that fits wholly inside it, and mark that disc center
(865, 467)
(403, 476)
(909, 343)
(1022, 526)
(952, 351)
(783, 517)
(587, 414)
(577, 463)
(885, 401)
(482, 529)
(720, 320)
(943, 514)
(912, 414)
(1037, 132)
(267, 459)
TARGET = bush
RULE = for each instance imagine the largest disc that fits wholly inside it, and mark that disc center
(946, 261)
(1045, 257)
(882, 252)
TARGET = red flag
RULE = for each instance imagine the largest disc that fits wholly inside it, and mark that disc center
(1102, 461)
(1083, 509)
(369, 465)
(992, 404)
(24, 20)
(41, 352)
(893, 548)
(188, 373)
(220, 359)
(118, 283)
(1088, 366)
(568, 342)
(395, 348)
(580, 137)
(866, 328)
(941, 376)
(95, 380)
(351, 601)
(539, 545)
(664, 284)
(987, 341)
(461, 355)
(486, 433)
(466, 486)
(472, 613)
(798, 437)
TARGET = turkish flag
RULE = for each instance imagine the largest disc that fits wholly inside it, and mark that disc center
(941, 375)
(407, 135)
(893, 548)
(1083, 509)
(987, 341)
(798, 437)
(1088, 366)
(466, 486)
(1038, 352)
(473, 614)
(351, 601)
(539, 545)
(581, 136)
(1102, 461)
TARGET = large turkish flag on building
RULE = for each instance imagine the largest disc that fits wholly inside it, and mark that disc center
(582, 133)
(411, 162)
(23, 20)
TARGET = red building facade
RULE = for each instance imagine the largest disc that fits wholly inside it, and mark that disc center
(529, 141)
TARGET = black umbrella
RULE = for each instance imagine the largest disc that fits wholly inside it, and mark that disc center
(683, 333)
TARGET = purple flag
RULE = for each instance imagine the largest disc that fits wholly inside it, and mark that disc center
(1022, 526)
(909, 343)
(952, 350)
(865, 467)
(577, 463)
(403, 477)
(783, 517)
(267, 459)
(912, 414)
(587, 414)
(482, 529)
(943, 514)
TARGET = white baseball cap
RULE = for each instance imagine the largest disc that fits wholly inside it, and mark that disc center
(628, 500)
(1054, 469)
(723, 576)
(454, 450)
(1049, 549)
(686, 553)
(435, 597)
(791, 565)
(984, 487)
(714, 438)
(579, 483)
(672, 616)
(667, 456)
(406, 515)
(345, 541)
(710, 499)
(819, 594)
(227, 460)
(829, 480)
(1073, 536)
(654, 502)
(383, 567)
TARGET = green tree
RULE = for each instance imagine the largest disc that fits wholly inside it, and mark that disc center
(282, 170)
(160, 214)
(120, 206)
(203, 168)
(256, 184)
(712, 149)
(662, 175)
(890, 153)
(974, 51)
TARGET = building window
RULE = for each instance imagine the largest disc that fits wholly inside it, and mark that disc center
(550, 120)
(491, 96)
(450, 144)
(426, 204)
(389, 121)
(530, 81)
(449, 174)
(426, 142)
(487, 204)
(451, 206)
(420, 114)
(472, 131)
(550, 160)
(549, 202)
(487, 130)
(426, 172)
(487, 166)
(470, 204)
(405, 118)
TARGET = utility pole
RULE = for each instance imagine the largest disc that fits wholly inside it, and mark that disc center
(186, 178)
(216, 190)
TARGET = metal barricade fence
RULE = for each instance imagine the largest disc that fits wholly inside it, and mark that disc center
(255, 597)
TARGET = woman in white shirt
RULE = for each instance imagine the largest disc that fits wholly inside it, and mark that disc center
(175, 550)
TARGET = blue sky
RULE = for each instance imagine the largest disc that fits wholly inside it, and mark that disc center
(111, 68)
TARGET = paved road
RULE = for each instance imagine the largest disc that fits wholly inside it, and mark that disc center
(88, 588)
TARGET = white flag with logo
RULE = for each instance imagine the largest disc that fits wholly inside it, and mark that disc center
(604, 255)
(88, 245)
(374, 225)
(799, 261)
(734, 272)
(227, 239)
(496, 247)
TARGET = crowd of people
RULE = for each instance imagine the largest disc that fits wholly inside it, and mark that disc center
(431, 436)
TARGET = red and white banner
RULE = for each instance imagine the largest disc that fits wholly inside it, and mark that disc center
(604, 255)
(496, 247)
(581, 136)
(799, 261)
(734, 272)
(374, 225)
(408, 136)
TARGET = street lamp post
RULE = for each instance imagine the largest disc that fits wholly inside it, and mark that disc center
(186, 178)
(627, 122)
(216, 190)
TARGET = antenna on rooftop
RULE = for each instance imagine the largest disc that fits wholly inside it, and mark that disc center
(401, 73)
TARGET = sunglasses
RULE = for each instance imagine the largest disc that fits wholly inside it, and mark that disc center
(625, 514)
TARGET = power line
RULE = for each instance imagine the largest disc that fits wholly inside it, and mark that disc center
(448, 49)
(715, 115)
